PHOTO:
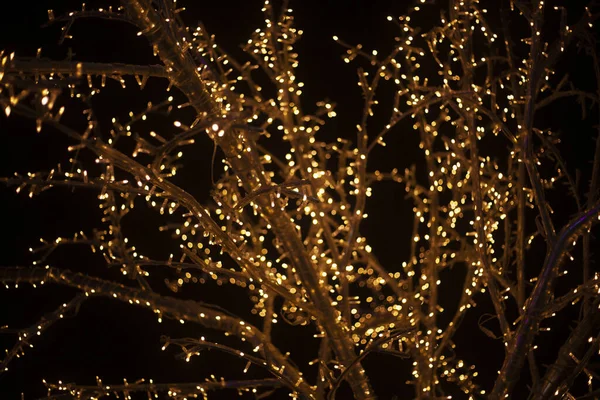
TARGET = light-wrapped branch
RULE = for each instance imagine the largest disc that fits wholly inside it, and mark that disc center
(27, 335)
(184, 310)
(252, 175)
(520, 344)
(36, 67)
(174, 391)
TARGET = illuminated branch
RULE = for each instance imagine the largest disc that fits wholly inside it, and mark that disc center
(26, 336)
(284, 214)
(554, 382)
(79, 69)
(189, 202)
(372, 346)
(184, 310)
(249, 169)
(537, 301)
(175, 391)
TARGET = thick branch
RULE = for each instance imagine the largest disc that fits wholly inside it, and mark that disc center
(554, 380)
(248, 168)
(537, 302)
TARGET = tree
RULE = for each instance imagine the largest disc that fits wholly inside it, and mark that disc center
(284, 218)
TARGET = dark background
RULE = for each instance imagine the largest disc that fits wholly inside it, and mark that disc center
(115, 341)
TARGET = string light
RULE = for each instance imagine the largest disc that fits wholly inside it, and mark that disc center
(287, 227)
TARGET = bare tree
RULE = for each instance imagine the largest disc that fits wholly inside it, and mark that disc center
(284, 225)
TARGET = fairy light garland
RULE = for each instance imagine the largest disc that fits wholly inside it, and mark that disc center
(287, 227)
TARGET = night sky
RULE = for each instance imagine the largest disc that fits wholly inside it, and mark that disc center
(115, 341)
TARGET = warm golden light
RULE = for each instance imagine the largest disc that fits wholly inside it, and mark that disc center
(285, 225)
